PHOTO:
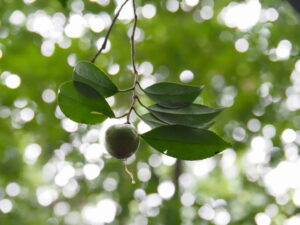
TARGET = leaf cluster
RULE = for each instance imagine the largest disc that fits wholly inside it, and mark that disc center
(179, 127)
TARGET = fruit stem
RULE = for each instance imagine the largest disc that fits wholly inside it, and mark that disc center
(108, 32)
(134, 70)
(119, 117)
(129, 173)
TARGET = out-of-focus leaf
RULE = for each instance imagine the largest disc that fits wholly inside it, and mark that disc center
(91, 75)
(152, 121)
(83, 104)
(63, 2)
(185, 143)
(173, 95)
(193, 115)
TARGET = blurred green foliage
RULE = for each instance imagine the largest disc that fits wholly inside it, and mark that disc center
(256, 78)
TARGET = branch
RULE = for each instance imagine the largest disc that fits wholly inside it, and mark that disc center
(108, 32)
(177, 173)
(135, 72)
(132, 41)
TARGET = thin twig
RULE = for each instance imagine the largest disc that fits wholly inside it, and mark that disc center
(134, 97)
(135, 72)
(132, 40)
(118, 117)
(177, 173)
(108, 32)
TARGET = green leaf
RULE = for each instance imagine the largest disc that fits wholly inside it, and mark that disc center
(89, 74)
(193, 115)
(173, 95)
(63, 3)
(184, 142)
(207, 125)
(83, 104)
(151, 120)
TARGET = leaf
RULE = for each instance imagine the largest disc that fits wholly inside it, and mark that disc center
(89, 74)
(151, 120)
(83, 104)
(194, 115)
(63, 3)
(173, 95)
(207, 125)
(184, 142)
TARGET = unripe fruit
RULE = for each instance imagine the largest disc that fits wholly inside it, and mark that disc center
(121, 140)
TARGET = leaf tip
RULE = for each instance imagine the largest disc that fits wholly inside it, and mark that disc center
(227, 145)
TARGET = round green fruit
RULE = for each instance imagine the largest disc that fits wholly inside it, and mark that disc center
(121, 140)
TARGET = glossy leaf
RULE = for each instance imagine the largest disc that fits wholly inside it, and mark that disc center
(151, 120)
(173, 95)
(83, 104)
(194, 115)
(89, 74)
(185, 143)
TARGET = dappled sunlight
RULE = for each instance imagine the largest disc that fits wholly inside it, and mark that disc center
(6, 205)
(248, 65)
(103, 212)
(31, 153)
(12, 81)
(148, 11)
(242, 15)
(48, 96)
(186, 76)
(241, 45)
